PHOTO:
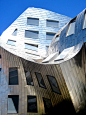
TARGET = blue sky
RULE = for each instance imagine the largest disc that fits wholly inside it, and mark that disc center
(11, 9)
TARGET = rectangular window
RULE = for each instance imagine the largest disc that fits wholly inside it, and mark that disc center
(52, 23)
(49, 36)
(31, 104)
(11, 42)
(32, 55)
(53, 84)
(31, 46)
(13, 76)
(84, 25)
(71, 28)
(31, 34)
(40, 80)
(28, 78)
(13, 103)
(47, 104)
(0, 56)
(32, 21)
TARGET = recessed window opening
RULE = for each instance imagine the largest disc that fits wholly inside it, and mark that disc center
(53, 84)
(15, 32)
(32, 21)
(49, 36)
(13, 103)
(32, 55)
(31, 34)
(13, 76)
(31, 104)
(52, 23)
(28, 78)
(47, 104)
(40, 80)
(84, 24)
(31, 46)
(11, 42)
(71, 28)
(57, 38)
(47, 48)
(0, 56)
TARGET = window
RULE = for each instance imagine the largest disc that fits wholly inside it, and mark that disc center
(52, 23)
(47, 48)
(31, 34)
(11, 42)
(28, 78)
(0, 75)
(31, 104)
(53, 84)
(40, 80)
(71, 28)
(84, 25)
(32, 21)
(13, 76)
(31, 46)
(13, 103)
(0, 56)
(49, 36)
(57, 38)
(47, 104)
(15, 32)
(33, 55)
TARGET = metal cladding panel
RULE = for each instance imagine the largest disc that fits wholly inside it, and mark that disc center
(74, 74)
(9, 60)
(21, 25)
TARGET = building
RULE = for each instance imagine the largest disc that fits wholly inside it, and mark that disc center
(36, 82)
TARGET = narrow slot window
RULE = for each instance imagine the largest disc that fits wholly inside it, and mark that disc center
(11, 42)
(13, 76)
(53, 84)
(13, 103)
(15, 32)
(32, 21)
(31, 104)
(49, 36)
(47, 104)
(52, 23)
(31, 34)
(40, 80)
(31, 46)
(84, 25)
(28, 78)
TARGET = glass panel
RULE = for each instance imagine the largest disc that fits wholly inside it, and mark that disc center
(31, 34)
(40, 80)
(50, 36)
(71, 29)
(84, 22)
(64, 53)
(15, 32)
(11, 42)
(32, 21)
(13, 76)
(47, 48)
(29, 78)
(31, 46)
(53, 84)
(0, 56)
(52, 23)
(32, 104)
(13, 101)
(47, 104)
(57, 38)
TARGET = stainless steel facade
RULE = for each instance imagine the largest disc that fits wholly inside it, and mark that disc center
(69, 71)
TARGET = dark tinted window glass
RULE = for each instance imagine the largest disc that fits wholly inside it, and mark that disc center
(28, 78)
(53, 84)
(49, 36)
(15, 32)
(52, 23)
(13, 103)
(32, 21)
(13, 76)
(40, 80)
(31, 34)
(47, 104)
(0, 56)
(32, 104)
